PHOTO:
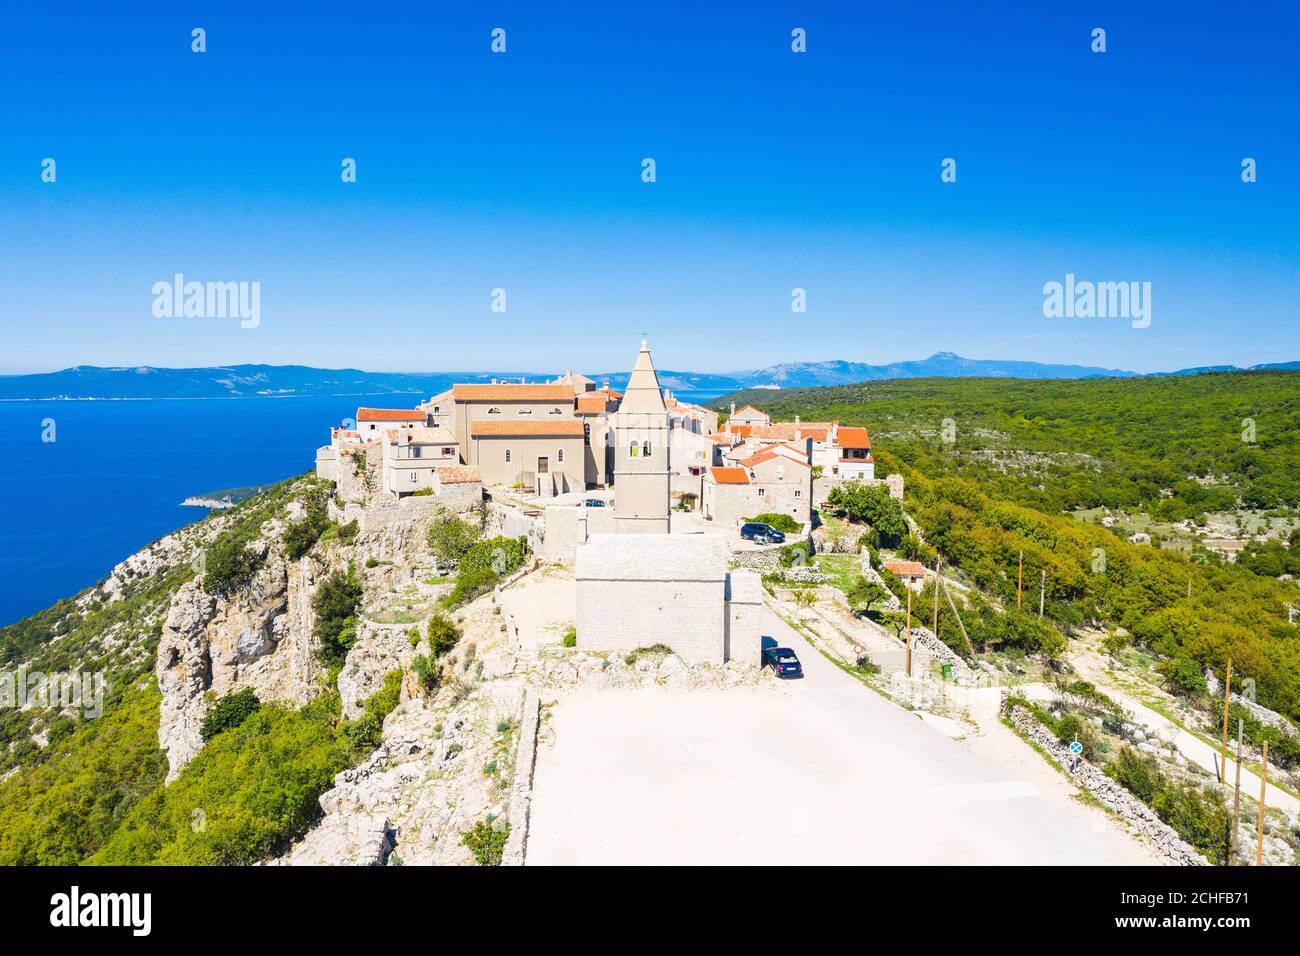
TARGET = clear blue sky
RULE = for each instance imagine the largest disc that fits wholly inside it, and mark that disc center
(522, 171)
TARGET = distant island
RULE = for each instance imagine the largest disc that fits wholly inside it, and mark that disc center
(221, 500)
(89, 382)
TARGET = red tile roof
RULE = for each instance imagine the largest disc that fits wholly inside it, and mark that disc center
(729, 476)
(854, 438)
(906, 569)
(389, 415)
(767, 454)
(592, 404)
(562, 428)
(458, 474)
(515, 392)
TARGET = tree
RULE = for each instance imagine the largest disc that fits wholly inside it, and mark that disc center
(874, 505)
(449, 538)
(1182, 676)
(230, 711)
(863, 594)
(335, 604)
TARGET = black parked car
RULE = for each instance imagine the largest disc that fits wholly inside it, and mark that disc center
(783, 661)
(761, 533)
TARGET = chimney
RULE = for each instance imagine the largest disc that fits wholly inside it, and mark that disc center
(733, 409)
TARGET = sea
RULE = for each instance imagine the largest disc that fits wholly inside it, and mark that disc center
(84, 484)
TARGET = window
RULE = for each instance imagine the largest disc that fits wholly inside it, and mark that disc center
(586, 433)
(415, 451)
(435, 409)
(494, 411)
(413, 477)
(559, 455)
(448, 452)
(645, 449)
(762, 492)
(556, 411)
(525, 411)
(634, 450)
(798, 493)
(507, 456)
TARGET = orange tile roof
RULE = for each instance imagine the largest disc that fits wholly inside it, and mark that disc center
(767, 454)
(594, 404)
(906, 569)
(458, 474)
(719, 438)
(565, 428)
(741, 430)
(750, 408)
(854, 438)
(729, 476)
(512, 392)
(389, 415)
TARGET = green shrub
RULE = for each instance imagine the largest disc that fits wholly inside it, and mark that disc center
(301, 535)
(651, 651)
(1182, 676)
(500, 554)
(230, 711)
(449, 539)
(229, 564)
(872, 504)
(471, 583)
(372, 562)
(796, 555)
(364, 733)
(487, 842)
(782, 523)
(426, 671)
(335, 604)
(1199, 817)
(443, 634)
(348, 532)
(570, 638)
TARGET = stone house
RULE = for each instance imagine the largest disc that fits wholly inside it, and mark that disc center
(546, 456)
(505, 402)
(411, 456)
(373, 422)
(748, 415)
(777, 479)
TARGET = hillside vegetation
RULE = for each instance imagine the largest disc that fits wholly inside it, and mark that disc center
(1017, 462)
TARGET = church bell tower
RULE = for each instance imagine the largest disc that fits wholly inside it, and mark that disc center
(642, 494)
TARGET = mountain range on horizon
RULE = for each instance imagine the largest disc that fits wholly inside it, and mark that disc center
(87, 382)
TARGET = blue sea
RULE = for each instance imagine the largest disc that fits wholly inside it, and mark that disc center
(114, 478)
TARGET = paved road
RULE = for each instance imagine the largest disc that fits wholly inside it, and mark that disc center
(821, 770)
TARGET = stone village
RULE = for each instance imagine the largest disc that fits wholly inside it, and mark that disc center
(641, 493)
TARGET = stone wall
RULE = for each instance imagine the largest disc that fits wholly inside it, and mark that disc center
(822, 486)
(1108, 791)
(521, 788)
(1258, 711)
(563, 533)
(745, 618)
(513, 523)
(621, 616)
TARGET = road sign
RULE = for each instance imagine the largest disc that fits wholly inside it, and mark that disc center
(1076, 748)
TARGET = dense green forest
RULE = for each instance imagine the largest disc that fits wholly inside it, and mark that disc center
(1143, 438)
(1060, 444)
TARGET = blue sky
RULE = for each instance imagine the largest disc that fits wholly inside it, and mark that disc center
(522, 171)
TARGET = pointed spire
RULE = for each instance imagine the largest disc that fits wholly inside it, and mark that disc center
(642, 393)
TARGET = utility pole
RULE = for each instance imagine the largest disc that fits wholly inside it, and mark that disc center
(964, 636)
(938, 563)
(1020, 579)
(909, 627)
(1042, 594)
(1236, 790)
(1227, 689)
(1263, 782)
